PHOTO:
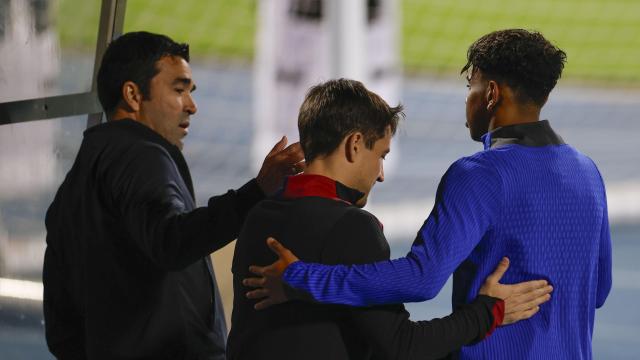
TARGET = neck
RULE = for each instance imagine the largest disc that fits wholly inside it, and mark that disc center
(331, 168)
(121, 114)
(513, 115)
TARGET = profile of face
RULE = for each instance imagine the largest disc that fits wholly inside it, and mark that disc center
(370, 167)
(170, 104)
(478, 116)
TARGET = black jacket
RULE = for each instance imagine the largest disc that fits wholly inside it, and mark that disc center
(315, 218)
(126, 272)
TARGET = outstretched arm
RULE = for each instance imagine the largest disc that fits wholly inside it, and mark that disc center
(520, 300)
(394, 336)
(153, 205)
(388, 329)
(468, 202)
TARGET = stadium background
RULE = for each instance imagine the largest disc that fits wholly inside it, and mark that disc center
(594, 107)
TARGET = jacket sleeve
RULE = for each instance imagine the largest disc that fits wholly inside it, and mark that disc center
(388, 328)
(468, 201)
(144, 189)
(392, 335)
(604, 258)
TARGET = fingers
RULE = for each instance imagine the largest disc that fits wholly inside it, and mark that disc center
(528, 286)
(521, 315)
(529, 313)
(286, 257)
(293, 149)
(264, 304)
(499, 271)
(528, 296)
(524, 306)
(254, 282)
(529, 300)
(278, 146)
(292, 155)
(533, 303)
(258, 270)
(300, 167)
(276, 247)
(257, 293)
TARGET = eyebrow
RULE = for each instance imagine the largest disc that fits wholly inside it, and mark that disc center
(186, 82)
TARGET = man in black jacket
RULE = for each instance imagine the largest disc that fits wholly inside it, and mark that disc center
(345, 131)
(127, 273)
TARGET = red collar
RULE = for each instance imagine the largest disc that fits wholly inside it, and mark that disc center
(305, 185)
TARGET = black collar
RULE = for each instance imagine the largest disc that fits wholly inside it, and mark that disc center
(538, 133)
(305, 185)
(140, 130)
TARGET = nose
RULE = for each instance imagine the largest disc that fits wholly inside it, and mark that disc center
(190, 105)
(381, 174)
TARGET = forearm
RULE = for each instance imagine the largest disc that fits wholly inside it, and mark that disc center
(385, 282)
(467, 203)
(468, 324)
(175, 239)
(417, 277)
(394, 336)
(243, 200)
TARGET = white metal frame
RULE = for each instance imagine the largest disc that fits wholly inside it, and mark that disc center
(110, 27)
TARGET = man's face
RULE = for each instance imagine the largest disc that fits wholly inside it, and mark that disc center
(170, 104)
(370, 169)
(478, 117)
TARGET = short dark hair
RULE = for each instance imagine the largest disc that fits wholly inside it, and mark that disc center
(337, 108)
(524, 60)
(133, 57)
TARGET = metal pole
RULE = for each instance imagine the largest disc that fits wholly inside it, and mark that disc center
(111, 25)
(49, 107)
(347, 27)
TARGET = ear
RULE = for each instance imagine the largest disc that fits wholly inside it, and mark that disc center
(353, 146)
(131, 95)
(493, 94)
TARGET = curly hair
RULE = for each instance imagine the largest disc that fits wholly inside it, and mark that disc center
(524, 60)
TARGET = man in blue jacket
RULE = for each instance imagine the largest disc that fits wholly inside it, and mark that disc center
(528, 196)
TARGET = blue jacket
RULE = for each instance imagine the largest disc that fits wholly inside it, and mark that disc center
(528, 196)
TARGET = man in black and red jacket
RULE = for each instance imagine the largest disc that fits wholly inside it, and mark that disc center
(345, 131)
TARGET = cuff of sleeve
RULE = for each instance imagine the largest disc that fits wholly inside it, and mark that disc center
(251, 192)
(237, 202)
(247, 197)
(491, 314)
(288, 277)
(289, 273)
(497, 312)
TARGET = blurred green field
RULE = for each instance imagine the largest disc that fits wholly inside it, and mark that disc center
(601, 37)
